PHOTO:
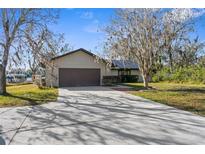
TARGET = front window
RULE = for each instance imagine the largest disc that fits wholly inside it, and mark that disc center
(124, 72)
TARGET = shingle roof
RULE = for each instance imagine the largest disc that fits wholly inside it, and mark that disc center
(124, 64)
(68, 53)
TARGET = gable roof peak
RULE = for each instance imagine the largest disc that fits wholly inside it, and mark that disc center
(74, 51)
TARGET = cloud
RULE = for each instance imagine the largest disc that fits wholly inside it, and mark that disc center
(87, 15)
(183, 15)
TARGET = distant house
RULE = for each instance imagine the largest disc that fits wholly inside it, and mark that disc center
(80, 68)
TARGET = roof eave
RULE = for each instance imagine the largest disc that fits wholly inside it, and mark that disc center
(80, 49)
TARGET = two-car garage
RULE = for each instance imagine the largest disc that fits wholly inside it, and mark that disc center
(70, 77)
(76, 68)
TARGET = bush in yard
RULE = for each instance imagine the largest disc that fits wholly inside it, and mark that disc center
(192, 74)
(162, 75)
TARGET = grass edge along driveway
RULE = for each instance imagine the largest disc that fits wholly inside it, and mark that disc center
(27, 94)
(189, 97)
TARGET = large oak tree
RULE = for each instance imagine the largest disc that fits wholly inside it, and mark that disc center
(13, 23)
(135, 34)
(146, 35)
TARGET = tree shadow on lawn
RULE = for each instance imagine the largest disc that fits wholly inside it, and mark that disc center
(188, 90)
(29, 101)
(177, 89)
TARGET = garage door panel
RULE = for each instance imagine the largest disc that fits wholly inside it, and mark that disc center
(78, 77)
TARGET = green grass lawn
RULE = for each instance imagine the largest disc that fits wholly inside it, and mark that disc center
(27, 94)
(188, 97)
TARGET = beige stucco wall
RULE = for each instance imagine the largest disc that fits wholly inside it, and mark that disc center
(137, 72)
(110, 72)
(75, 60)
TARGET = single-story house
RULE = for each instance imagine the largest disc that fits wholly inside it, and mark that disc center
(81, 68)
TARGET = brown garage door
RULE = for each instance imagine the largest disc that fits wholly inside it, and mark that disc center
(69, 77)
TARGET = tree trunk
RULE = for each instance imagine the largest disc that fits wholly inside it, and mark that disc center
(146, 80)
(33, 76)
(51, 77)
(3, 69)
(2, 80)
(170, 61)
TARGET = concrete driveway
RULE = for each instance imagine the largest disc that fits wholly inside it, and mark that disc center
(99, 115)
